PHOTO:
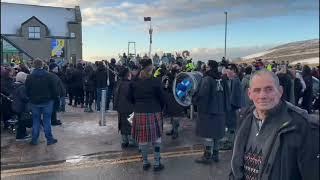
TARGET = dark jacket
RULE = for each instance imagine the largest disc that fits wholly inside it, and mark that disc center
(235, 102)
(101, 77)
(236, 94)
(245, 85)
(308, 93)
(59, 84)
(68, 78)
(146, 95)
(123, 106)
(210, 100)
(294, 149)
(6, 85)
(19, 98)
(121, 102)
(172, 107)
(77, 79)
(112, 76)
(41, 87)
(285, 82)
(89, 81)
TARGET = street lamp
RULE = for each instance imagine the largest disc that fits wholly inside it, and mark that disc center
(225, 36)
(150, 33)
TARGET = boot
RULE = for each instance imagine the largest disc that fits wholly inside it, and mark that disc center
(169, 133)
(206, 158)
(90, 108)
(215, 156)
(175, 132)
(86, 109)
(175, 135)
(144, 152)
(157, 164)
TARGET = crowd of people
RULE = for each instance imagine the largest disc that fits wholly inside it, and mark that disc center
(143, 89)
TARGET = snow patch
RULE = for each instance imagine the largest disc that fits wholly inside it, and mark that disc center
(314, 60)
(259, 54)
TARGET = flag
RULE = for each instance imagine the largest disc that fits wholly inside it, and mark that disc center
(147, 18)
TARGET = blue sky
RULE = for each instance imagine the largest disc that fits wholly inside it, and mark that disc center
(197, 26)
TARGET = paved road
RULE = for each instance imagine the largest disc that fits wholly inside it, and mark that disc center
(88, 151)
(179, 165)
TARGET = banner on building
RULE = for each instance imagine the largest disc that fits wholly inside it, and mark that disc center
(57, 48)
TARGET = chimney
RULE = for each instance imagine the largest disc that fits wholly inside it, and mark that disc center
(78, 14)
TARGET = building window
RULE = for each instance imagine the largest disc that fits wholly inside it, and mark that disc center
(34, 32)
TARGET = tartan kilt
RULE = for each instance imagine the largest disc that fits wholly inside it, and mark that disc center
(147, 127)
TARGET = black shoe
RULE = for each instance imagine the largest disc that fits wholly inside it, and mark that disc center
(226, 146)
(24, 138)
(146, 166)
(53, 141)
(124, 145)
(205, 159)
(132, 145)
(56, 123)
(33, 143)
(158, 168)
(169, 133)
(215, 156)
(175, 135)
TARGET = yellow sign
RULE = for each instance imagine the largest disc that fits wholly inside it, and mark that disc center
(57, 46)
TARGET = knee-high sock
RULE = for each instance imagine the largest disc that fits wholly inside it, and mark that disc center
(157, 156)
(144, 152)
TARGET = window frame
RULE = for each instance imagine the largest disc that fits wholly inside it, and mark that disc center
(34, 32)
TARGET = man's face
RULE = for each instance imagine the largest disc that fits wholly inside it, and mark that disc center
(264, 93)
(231, 74)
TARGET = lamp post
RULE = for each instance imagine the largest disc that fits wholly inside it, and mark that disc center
(225, 36)
(150, 33)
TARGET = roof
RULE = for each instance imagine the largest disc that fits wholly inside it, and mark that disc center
(16, 46)
(55, 18)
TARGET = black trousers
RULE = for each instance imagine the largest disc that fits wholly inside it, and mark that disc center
(21, 129)
(54, 114)
(89, 98)
(71, 94)
(109, 95)
(79, 96)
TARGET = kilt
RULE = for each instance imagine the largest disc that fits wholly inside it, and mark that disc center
(147, 127)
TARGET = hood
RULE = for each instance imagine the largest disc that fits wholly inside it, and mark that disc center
(39, 72)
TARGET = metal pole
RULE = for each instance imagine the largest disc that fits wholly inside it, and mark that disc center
(128, 48)
(102, 121)
(150, 33)
(191, 111)
(225, 37)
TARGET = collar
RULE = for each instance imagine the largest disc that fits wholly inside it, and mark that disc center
(275, 110)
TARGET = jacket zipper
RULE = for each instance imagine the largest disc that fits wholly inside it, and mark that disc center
(278, 134)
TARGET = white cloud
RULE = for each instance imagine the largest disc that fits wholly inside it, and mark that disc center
(202, 54)
(176, 15)
(205, 54)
